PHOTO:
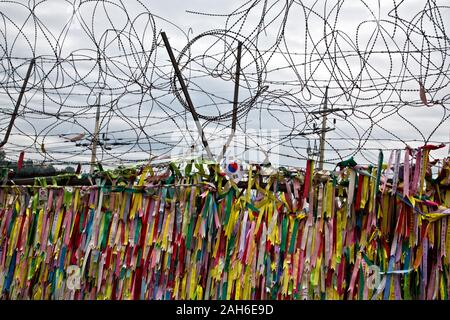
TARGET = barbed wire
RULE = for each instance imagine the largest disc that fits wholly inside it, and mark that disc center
(386, 67)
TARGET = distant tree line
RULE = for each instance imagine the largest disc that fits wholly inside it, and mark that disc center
(29, 169)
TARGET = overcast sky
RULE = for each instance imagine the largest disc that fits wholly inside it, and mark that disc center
(139, 110)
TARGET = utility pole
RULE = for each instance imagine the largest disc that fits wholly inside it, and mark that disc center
(19, 100)
(95, 138)
(235, 102)
(186, 94)
(324, 129)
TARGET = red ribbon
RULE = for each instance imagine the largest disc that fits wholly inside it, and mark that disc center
(307, 178)
(20, 162)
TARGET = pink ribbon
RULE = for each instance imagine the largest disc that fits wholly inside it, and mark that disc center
(388, 169)
(406, 165)
(416, 172)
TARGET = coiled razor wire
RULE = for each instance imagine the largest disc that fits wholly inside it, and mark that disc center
(385, 64)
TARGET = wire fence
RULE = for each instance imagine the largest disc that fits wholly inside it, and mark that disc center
(385, 66)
